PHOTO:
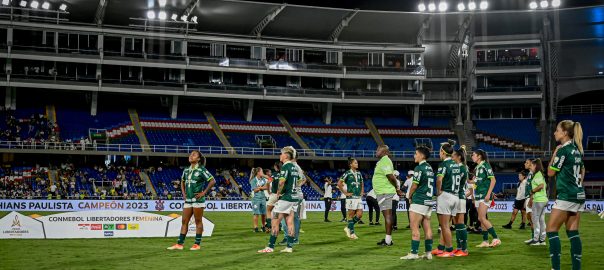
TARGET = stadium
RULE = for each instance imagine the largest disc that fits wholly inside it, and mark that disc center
(233, 134)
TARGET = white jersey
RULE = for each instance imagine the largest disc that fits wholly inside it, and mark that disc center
(520, 192)
(327, 188)
(398, 186)
(407, 186)
(372, 194)
(300, 180)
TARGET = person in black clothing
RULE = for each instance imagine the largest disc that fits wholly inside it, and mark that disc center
(327, 197)
(343, 206)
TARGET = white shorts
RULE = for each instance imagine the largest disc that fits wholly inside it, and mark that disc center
(302, 210)
(423, 210)
(461, 206)
(194, 205)
(526, 207)
(477, 203)
(446, 204)
(285, 207)
(354, 204)
(569, 206)
(272, 199)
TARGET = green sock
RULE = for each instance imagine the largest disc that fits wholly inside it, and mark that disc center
(428, 244)
(532, 233)
(492, 232)
(271, 241)
(458, 234)
(554, 249)
(198, 238)
(351, 226)
(485, 236)
(290, 241)
(449, 249)
(414, 246)
(576, 250)
(441, 247)
(464, 239)
(268, 223)
(181, 238)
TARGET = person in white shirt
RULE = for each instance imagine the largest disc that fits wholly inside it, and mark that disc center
(373, 205)
(406, 187)
(327, 197)
(343, 205)
(395, 200)
(519, 202)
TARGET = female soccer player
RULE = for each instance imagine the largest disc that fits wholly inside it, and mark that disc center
(258, 185)
(447, 189)
(538, 202)
(421, 193)
(567, 166)
(353, 180)
(195, 183)
(461, 233)
(272, 198)
(484, 180)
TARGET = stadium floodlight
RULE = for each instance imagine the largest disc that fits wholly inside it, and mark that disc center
(46, 5)
(174, 17)
(184, 18)
(162, 15)
(162, 3)
(6, 2)
(431, 7)
(533, 5)
(443, 6)
(151, 14)
(484, 5)
(63, 7)
(461, 6)
(544, 4)
(23, 3)
(556, 3)
(194, 19)
(472, 5)
(34, 4)
(421, 7)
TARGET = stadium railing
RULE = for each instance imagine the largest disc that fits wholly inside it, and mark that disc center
(581, 109)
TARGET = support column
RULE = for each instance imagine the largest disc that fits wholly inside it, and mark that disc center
(174, 108)
(94, 103)
(338, 84)
(260, 80)
(100, 42)
(9, 38)
(415, 115)
(327, 110)
(249, 112)
(183, 47)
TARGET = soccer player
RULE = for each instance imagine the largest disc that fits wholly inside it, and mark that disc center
(353, 181)
(421, 192)
(272, 198)
(447, 189)
(196, 182)
(568, 168)
(538, 202)
(520, 201)
(484, 180)
(258, 184)
(461, 233)
(527, 193)
(384, 184)
(300, 210)
(288, 201)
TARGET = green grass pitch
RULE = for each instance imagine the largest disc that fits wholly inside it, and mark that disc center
(323, 246)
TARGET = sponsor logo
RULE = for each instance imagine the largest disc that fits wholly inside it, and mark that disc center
(16, 229)
(109, 233)
(159, 205)
(16, 222)
(108, 227)
(121, 227)
(96, 227)
(84, 227)
(133, 227)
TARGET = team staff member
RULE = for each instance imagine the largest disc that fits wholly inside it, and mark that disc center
(407, 186)
(258, 185)
(384, 184)
(196, 182)
(327, 197)
(520, 201)
(373, 205)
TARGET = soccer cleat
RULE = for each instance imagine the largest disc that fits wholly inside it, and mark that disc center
(378, 223)
(195, 247)
(370, 223)
(427, 256)
(461, 253)
(528, 242)
(256, 230)
(266, 250)
(437, 252)
(347, 232)
(343, 220)
(354, 236)
(384, 244)
(542, 243)
(360, 222)
(522, 226)
(287, 250)
(483, 245)
(411, 256)
(283, 242)
(507, 226)
(495, 243)
(327, 220)
(535, 243)
(446, 255)
(175, 247)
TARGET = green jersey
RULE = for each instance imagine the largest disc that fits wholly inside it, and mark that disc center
(289, 174)
(380, 181)
(527, 190)
(484, 176)
(568, 163)
(463, 184)
(451, 174)
(354, 183)
(258, 183)
(541, 195)
(196, 179)
(423, 177)
(275, 182)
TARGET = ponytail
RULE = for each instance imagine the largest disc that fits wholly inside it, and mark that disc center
(483, 155)
(578, 136)
(461, 152)
(447, 147)
(538, 165)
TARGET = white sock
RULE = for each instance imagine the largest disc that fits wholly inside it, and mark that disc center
(388, 239)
